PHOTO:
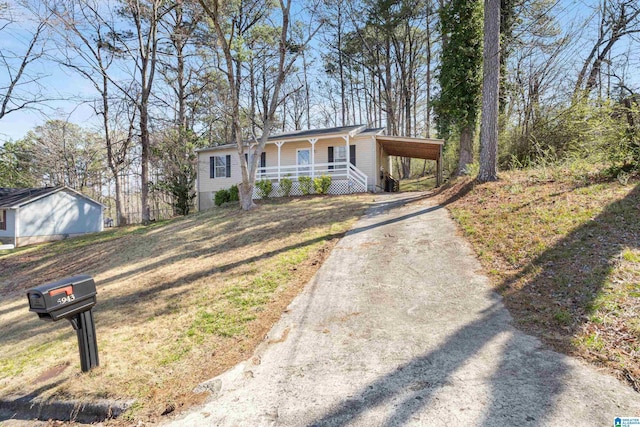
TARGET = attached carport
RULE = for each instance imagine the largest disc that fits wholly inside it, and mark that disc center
(417, 148)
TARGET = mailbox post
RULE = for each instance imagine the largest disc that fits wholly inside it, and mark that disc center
(73, 299)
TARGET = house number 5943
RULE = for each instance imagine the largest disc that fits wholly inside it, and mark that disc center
(66, 299)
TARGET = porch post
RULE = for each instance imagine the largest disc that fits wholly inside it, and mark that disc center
(279, 144)
(346, 138)
(313, 141)
(348, 167)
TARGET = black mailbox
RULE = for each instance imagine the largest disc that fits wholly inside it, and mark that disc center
(63, 299)
(72, 299)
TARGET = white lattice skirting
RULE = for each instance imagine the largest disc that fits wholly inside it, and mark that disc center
(342, 186)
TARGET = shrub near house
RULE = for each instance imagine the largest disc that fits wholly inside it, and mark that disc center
(224, 196)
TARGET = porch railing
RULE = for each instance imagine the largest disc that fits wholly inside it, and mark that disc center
(337, 171)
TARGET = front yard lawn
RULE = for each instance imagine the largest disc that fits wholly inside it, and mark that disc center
(178, 302)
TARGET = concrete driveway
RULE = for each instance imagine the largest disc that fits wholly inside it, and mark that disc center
(399, 327)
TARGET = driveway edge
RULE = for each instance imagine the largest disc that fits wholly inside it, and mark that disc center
(63, 410)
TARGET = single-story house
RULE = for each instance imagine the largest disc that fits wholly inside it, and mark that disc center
(357, 158)
(34, 215)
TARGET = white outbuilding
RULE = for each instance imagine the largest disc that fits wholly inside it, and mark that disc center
(34, 215)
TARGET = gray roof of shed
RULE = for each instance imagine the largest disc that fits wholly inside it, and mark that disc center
(16, 197)
(10, 197)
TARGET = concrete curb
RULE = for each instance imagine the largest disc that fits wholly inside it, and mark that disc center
(63, 410)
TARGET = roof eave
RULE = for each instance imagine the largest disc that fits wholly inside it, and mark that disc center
(352, 133)
(53, 191)
(216, 148)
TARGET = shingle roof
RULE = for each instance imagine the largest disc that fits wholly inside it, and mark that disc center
(10, 197)
(305, 133)
(314, 132)
(371, 131)
(16, 197)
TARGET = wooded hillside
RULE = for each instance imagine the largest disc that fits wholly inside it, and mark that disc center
(163, 78)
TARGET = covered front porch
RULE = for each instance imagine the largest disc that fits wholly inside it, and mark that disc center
(312, 154)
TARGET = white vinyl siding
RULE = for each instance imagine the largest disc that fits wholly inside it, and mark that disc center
(366, 157)
(365, 161)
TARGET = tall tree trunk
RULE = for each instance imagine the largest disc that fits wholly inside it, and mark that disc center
(466, 149)
(252, 94)
(406, 167)
(343, 95)
(147, 57)
(144, 159)
(490, 90)
(307, 96)
(121, 218)
(427, 117)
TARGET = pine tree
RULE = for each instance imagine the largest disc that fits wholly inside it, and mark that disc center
(490, 89)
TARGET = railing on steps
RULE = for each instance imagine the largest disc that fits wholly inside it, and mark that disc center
(359, 178)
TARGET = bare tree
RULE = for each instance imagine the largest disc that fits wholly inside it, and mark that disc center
(18, 88)
(65, 154)
(335, 14)
(231, 23)
(145, 16)
(88, 43)
(619, 18)
(179, 67)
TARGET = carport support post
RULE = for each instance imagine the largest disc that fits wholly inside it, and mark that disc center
(439, 168)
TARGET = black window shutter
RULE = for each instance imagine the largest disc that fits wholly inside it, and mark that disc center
(330, 157)
(246, 158)
(352, 154)
(228, 166)
(263, 160)
(212, 165)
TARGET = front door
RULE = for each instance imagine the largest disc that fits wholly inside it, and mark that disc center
(304, 160)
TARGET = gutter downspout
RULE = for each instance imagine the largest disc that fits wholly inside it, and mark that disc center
(16, 226)
(198, 184)
(374, 156)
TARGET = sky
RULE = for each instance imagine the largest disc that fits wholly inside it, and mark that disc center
(63, 86)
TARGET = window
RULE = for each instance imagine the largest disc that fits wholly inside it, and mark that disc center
(340, 155)
(220, 166)
(3, 220)
(263, 161)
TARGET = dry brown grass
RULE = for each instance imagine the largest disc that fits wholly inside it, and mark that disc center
(178, 302)
(425, 183)
(564, 250)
